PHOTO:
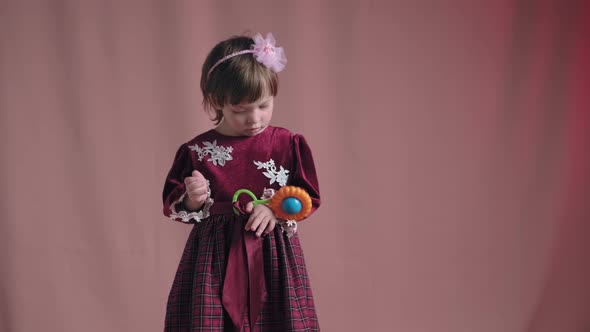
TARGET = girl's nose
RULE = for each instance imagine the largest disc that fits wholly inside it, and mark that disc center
(253, 117)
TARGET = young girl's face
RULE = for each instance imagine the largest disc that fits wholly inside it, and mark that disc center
(246, 119)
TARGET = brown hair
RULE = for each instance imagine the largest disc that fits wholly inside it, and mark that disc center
(238, 79)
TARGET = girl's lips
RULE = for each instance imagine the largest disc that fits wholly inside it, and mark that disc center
(254, 130)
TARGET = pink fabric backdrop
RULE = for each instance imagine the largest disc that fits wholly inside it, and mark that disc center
(451, 138)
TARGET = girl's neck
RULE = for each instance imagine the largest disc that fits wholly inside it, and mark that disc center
(223, 131)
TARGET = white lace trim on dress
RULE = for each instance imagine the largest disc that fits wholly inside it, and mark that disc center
(185, 216)
(218, 154)
(281, 176)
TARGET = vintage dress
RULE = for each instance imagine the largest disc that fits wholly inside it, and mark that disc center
(271, 159)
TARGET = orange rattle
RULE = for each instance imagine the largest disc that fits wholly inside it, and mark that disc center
(288, 203)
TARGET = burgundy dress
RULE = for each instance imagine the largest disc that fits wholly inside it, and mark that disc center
(267, 285)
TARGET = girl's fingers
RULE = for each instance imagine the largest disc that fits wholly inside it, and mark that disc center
(189, 180)
(198, 178)
(260, 220)
(264, 222)
(253, 221)
(249, 207)
(196, 191)
(271, 225)
(196, 186)
(201, 198)
(249, 223)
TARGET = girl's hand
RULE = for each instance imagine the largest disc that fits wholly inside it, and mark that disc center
(196, 190)
(262, 220)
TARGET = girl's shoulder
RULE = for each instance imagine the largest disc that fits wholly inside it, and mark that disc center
(288, 135)
(283, 137)
(205, 136)
(280, 131)
(214, 135)
(212, 138)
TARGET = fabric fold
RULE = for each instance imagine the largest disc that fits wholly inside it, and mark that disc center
(244, 286)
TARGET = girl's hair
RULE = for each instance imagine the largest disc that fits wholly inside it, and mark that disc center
(238, 79)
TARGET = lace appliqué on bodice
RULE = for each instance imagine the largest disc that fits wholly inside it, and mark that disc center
(219, 155)
(281, 176)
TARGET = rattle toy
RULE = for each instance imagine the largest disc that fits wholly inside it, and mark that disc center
(288, 203)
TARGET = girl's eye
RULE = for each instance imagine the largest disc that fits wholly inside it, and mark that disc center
(263, 106)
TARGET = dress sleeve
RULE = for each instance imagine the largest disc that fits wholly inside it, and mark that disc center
(303, 172)
(174, 190)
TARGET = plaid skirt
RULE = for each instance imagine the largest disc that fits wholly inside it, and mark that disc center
(195, 300)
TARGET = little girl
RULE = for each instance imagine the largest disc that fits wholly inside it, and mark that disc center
(241, 272)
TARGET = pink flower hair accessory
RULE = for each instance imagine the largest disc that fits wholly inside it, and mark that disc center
(264, 51)
(268, 54)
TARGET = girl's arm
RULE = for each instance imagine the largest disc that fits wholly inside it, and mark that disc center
(197, 191)
(303, 173)
(178, 204)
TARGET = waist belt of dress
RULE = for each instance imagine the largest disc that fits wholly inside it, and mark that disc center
(243, 285)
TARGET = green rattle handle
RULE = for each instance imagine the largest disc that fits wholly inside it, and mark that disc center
(255, 201)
